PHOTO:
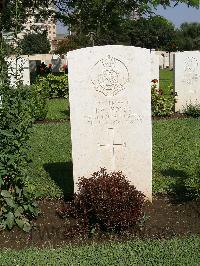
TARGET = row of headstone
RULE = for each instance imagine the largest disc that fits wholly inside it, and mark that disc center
(57, 62)
(110, 104)
(165, 59)
(186, 67)
(20, 67)
(186, 77)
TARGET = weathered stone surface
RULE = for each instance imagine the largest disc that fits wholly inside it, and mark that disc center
(110, 109)
(187, 79)
(155, 66)
(18, 70)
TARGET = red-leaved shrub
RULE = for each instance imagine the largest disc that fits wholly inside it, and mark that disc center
(107, 201)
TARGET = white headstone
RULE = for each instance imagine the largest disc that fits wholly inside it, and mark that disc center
(171, 60)
(155, 66)
(19, 70)
(164, 59)
(110, 107)
(55, 56)
(32, 66)
(56, 64)
(187, 79)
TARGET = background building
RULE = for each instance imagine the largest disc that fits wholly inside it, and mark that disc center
(34, 25)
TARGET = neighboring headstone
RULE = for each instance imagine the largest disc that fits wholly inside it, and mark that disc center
(56, 64)
(18, 70)
(55, 56)
(154, 66)
(32, 66)
(171, 60)
(164, 59)
(110, 109)
(40, 57)
(187, 79)
(56, 61)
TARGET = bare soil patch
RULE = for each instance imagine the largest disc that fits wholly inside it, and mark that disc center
(164, 220)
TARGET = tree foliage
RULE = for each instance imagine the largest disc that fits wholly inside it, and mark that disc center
(188, 37)
(83, 15)
(72, 42)
(104, 17)
(16, 12)
(110, 22)
(154, 32)
(35, 43)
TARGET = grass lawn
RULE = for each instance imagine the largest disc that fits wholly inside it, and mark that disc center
(176, 146)
(172, 252)
(58, 109)
(166, 80)
(51, 167)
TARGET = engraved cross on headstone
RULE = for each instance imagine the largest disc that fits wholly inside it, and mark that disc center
(112, 146)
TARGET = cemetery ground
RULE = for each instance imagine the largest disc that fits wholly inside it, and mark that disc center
(171, 229)
(166, 80)
(173, 213)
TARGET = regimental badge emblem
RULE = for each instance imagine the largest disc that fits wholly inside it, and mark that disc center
(109, 76)
(191, 70)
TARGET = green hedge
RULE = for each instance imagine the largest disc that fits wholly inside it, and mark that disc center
(54, 86)
(161, 105)
(192, 110)
(16, 117)
(38, 100)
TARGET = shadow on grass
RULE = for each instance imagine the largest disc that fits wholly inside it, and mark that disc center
(62, 174)
(179, 191)
(66, 113)
(171, 172)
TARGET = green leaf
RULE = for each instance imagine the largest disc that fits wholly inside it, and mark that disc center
(27, 227)
(2, 226)
(10, 220)
(4, 133)
(6, 194)
(10, 202)
(18, 190)
(24, 224)
(19, 212)
(20, 223)
(31, 209)
(1, 181)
